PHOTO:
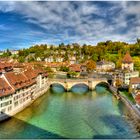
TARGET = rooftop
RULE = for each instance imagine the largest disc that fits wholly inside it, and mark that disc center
(5, 88)
(137, 98)
(135, 80)
(103, 62)
(127, 58)
(75, 67)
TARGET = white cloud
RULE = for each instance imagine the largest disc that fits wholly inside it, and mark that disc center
(63, 18)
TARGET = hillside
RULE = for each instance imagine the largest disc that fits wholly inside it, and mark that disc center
(110, 51)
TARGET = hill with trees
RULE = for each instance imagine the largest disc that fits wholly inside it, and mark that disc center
(108, 50)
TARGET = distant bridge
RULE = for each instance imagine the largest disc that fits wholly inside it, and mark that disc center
(69, 83)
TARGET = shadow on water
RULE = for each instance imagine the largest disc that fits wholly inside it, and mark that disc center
(24, 130)
(80, 89)
(118, 126)
(102, 90)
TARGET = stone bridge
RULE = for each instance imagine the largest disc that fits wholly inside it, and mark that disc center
(69, 83)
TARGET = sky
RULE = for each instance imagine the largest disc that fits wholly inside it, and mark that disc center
(25, 23)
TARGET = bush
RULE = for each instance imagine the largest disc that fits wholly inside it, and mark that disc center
(72, 74)
(48, 69)
(21, 59)
(63, 68)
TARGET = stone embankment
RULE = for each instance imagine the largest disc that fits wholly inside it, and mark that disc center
(133, 113)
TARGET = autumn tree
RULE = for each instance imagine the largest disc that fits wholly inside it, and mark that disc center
(119, 61)
(118, 83)
(91, 65)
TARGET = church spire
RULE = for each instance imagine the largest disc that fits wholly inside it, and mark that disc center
(127, 58)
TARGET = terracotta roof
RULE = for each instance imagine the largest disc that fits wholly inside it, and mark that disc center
(30, 74)
(19, 80)
(127, 58)
(75, 67)
(137, 98)
(135, 80)
(5, 88)
(4, 65)
(54, 65)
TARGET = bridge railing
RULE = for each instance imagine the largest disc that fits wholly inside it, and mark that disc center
(77, 80)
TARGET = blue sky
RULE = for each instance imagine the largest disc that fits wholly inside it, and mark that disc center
(24, 23)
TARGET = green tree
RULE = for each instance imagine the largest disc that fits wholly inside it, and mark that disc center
(21, 59)
(7, 53)
(64, 68)
(48, 69)
(72, 74)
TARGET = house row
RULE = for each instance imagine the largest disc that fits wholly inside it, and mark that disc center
(52, 59)
(104, 66)
(134, 89)
(18, 90)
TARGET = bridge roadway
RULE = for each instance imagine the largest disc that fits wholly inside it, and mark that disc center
(69, 83)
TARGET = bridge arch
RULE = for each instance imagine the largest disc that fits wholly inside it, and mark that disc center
(57, 83)
(101, 88)
(57, 87)
(103, 83)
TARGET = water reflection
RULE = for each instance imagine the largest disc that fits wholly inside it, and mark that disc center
(79, 89)
(15, 128)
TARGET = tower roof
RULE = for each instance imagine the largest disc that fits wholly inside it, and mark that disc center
(127, 58)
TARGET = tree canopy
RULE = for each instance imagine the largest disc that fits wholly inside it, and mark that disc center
(108, 50)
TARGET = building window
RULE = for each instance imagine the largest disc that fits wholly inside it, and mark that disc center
(3, 111)
(16, 103)
(9, 108)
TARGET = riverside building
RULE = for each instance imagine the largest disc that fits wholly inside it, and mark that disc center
(105, 66)
(127, 72)
(19, 90)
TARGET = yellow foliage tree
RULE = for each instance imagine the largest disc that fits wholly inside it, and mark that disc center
(118, 83)
(119, 62)
(91, 65)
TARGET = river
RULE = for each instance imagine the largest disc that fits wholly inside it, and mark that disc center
(95, 114)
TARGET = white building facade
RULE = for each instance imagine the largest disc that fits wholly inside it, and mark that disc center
(17, 91)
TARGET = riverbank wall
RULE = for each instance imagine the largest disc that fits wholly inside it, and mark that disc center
(37, 94)
(134, 112)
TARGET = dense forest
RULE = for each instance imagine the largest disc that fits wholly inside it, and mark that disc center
(109, 51)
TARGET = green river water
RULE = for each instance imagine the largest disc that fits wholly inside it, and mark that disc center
(95, 114)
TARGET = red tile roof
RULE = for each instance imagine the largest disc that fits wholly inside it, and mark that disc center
(135, 80)
(21, 80)
(30, 74)
(137, 98)
(5, 88)
(127, 58)
(4, 65)
(75, 67)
